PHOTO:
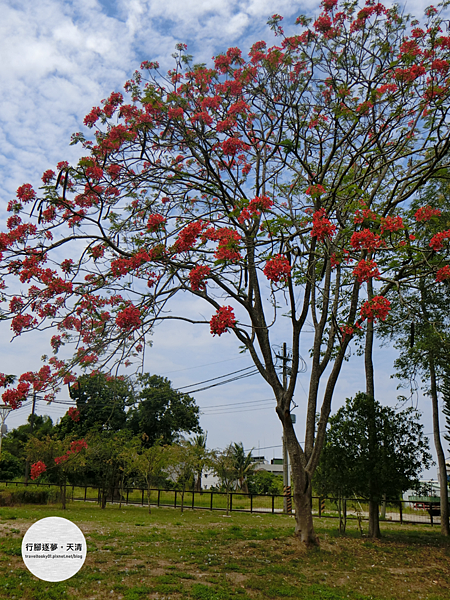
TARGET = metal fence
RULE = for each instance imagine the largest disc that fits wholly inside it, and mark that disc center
(400, 511)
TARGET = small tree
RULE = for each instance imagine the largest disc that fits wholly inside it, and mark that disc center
(372, 451)
(59, 458)
(182, 464)
(149, 463)
(201, 454)
(224, 466)
(243, 465)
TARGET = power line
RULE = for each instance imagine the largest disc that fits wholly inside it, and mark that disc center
(238, 403)
(215, 378)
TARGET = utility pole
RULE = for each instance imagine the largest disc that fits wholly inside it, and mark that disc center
(27, 464)
(285, 452)
(4, 412)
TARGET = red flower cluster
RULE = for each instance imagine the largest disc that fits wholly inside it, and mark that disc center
(278, 269)
(425, 213)
(74, 414)
(315, 190)
(443, 274)
(377, 308)
(75, 447)
(91, 118)
(362, 215)
(198, 277)
(437, 241)
(322, 227)
(392, 224)
(222, 320)
(365, 270)
(188, 236)
(155, 222)
(48, 176)
(260, 203)
(229, 245)
(365, 239)
(37, 469)
(25, 193)
(14, 397)
(129, 318)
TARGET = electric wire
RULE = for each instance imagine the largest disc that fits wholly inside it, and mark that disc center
(215, 378)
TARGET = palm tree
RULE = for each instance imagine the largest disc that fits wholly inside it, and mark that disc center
(243, 464)
(198, 444)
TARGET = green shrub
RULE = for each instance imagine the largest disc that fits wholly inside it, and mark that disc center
(27, 495)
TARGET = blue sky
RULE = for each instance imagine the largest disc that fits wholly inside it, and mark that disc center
(60, 58)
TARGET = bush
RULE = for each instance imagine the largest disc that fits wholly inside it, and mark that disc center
(26, 495)
(10, 466)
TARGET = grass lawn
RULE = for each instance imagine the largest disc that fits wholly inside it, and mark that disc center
(201, 555)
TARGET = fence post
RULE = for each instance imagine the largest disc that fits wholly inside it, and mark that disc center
(431, 514)
(320, 507)
(128, 491)
(211, 504)
(231, 501)
(142, 500)
(251, 503)
(401, 512)
(85, 492)
(175, 501)
(159, 494)
(193, 498)
(273, 504)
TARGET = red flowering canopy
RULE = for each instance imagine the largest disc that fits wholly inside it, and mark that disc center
(286, 174)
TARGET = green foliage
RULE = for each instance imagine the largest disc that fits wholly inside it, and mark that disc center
(160, 412)
(14, 442)
(264, 482)
(26, 495)
(101, 402)
(371, 450)
(10, 466)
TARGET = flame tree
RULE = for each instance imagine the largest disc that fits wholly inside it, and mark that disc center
(273, 182)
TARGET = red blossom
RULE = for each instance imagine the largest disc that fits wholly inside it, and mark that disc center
(25, 193)
(48, 176)
(278, 269)
(129, 318)
(322, 226)
(425, 213)
(229, 245)
(91, 118)
(392, 224)
(37, 469)
(74, 414)
(377, 308)
(443, 274)
(315, 190)
(198, 277)
(365, 239)
(188, 236)
(437, 241)
(155, 222)
(365, 270)
(260, 203)
(223, 320)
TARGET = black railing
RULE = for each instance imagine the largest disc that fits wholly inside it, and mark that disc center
(401, 511)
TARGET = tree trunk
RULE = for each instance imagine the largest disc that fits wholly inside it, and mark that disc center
(439, 451)
(301, 480)
(374, 515)
(149, 491)
(374, 520)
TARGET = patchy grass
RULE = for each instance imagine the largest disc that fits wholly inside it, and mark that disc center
(207, 556)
